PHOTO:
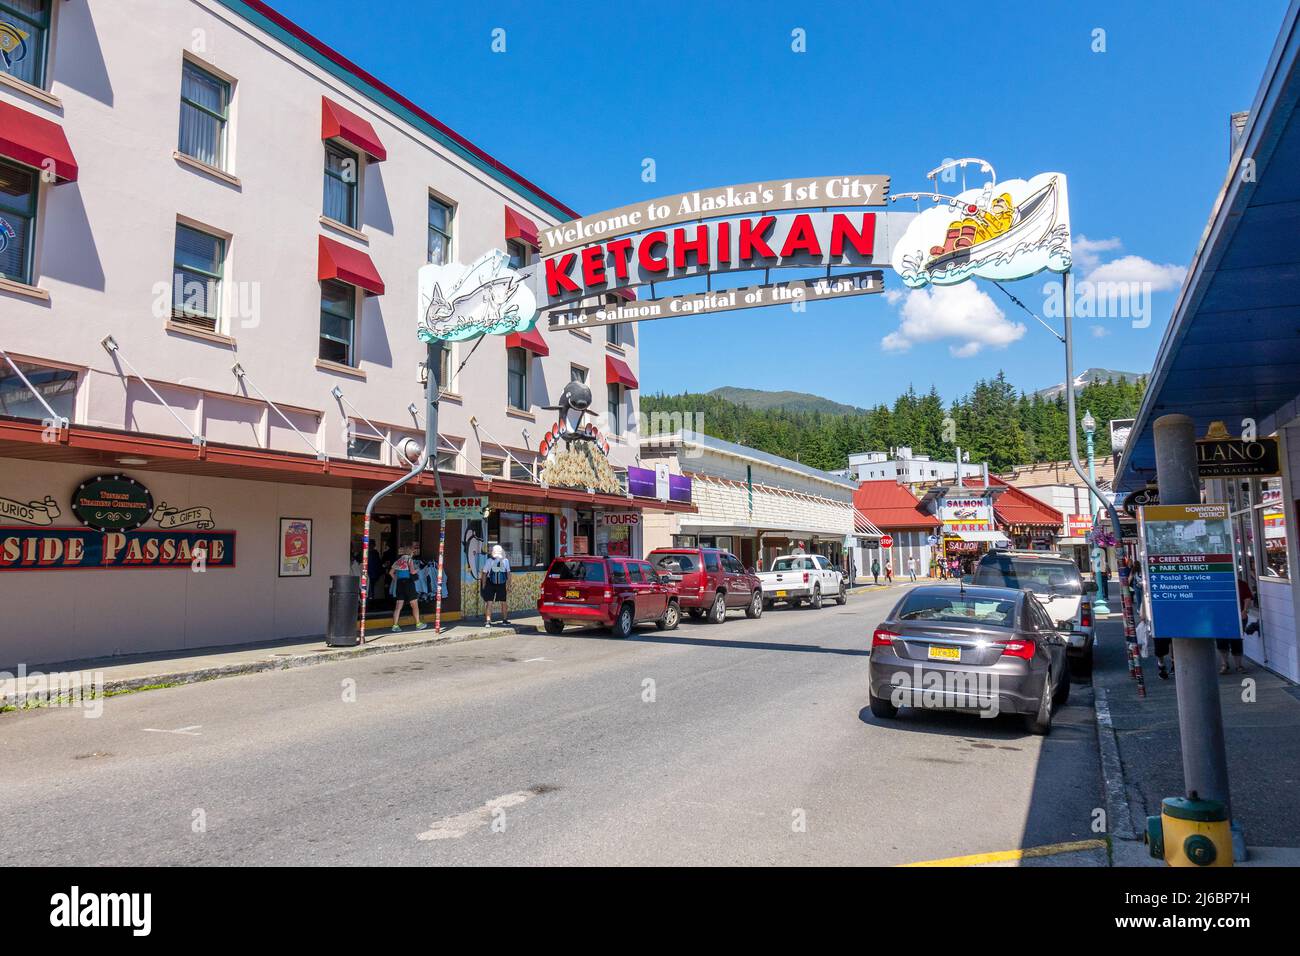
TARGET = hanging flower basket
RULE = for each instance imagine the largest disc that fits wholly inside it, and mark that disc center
(1101, 538)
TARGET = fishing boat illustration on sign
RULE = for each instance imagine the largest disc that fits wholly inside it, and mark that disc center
(1000, 230)
(463, 302)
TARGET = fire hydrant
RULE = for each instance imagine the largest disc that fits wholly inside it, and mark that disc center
(1190, 832)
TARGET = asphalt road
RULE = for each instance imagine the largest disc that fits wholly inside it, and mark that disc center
(743, 743)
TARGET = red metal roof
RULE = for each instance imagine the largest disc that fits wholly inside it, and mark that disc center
(339, 122)
(349, 265)
(1014, 506)
(28, 139)
(890, 506)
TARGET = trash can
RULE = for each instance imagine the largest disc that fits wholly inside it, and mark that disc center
(345, 603)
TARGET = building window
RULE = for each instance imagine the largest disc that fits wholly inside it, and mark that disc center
(525, 537)
(338, 303)
(368, 447)
(518, 253)
(196, 278)
(342, 168)
(493, 467)
(520, 471)
(577, 374)
(1272, 512)
(447, 460)
(57, 386)
(616, 409)
(517, 378)
(24, 32)
(439, 232)
(18, 187)
(205, 107)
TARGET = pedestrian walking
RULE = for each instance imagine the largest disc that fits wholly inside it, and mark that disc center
(889, 571)
(911, 569)
(875, 571)
(1234, 645)
(493, 583)
(403, 572)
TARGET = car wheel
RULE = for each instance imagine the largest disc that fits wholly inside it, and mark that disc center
(695, 612)
(880, 707)
(755, 608)
(815, 601)
(843, 597)
(1062, 689)
(672, 616)
(1040, 723)
(553, 626)
(623, 623)
(718, 613)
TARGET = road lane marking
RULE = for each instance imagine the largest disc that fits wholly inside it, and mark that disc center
(533, 659)
(455, 827)
(191, 731)
(1002, 856)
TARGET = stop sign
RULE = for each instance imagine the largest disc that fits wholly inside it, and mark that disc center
(886, 541)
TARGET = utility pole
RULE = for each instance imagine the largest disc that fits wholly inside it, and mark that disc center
(1200, 716)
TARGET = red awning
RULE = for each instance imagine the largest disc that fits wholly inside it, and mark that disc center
(616, 371)
(337, 122)
(26, 138)
(531, 340)
(519, 226)
(349, 265)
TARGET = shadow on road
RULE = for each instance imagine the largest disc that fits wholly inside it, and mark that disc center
(668, 637)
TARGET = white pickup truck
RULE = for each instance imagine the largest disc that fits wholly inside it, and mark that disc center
(800, 579)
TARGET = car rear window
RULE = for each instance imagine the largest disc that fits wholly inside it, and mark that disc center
(577, 570)
(958, 609)
(677, 563)
(791, 564)
(1041, 577)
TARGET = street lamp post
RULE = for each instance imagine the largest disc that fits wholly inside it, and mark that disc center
(1098, 555)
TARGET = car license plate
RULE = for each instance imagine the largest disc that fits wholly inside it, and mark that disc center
(572, 595)
(780, 594)
(945, 653)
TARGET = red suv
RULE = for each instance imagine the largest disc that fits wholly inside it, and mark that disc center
(710, 580)
(617, 593)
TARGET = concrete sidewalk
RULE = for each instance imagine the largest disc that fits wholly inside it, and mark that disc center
(1261, 715)
(168, 668)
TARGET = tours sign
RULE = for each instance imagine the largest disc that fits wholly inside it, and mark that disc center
(1191, 572)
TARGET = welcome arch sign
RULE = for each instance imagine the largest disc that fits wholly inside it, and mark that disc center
(849, 228)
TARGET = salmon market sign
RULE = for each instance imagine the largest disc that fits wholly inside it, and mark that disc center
(998, 230)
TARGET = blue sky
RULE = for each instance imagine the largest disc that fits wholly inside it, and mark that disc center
(715, 95)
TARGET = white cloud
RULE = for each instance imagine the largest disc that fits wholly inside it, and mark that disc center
(963, 312)
(1086, 251)
(1137, 271)
(1099, 331)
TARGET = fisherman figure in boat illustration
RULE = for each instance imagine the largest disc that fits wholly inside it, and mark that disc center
(1000, 231)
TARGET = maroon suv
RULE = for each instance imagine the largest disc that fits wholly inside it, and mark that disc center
(709, 580)
(617, 593)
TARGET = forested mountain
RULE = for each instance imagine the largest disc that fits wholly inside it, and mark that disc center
(994, 422)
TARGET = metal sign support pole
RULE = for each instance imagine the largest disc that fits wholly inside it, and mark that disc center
(433, 361)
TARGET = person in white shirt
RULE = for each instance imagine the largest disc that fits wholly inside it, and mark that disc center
(493, 582)
(911, 568)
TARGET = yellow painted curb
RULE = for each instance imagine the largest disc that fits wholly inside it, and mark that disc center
(1001, 856)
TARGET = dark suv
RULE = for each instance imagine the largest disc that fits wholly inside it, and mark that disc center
(709, 580)
(618, 593)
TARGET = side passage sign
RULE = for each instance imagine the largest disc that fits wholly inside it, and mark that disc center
(723, 300)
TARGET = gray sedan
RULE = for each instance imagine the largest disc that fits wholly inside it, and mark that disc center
(977, 649)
